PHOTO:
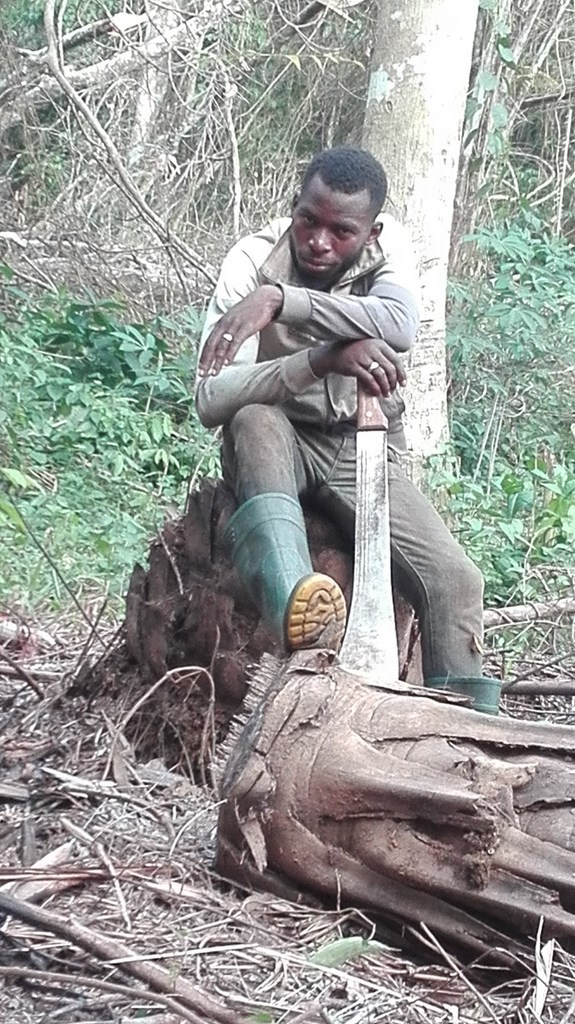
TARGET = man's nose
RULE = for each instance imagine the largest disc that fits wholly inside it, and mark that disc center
(319, 242)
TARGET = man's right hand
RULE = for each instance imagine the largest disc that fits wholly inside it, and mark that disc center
(354, 359)
(247, 317)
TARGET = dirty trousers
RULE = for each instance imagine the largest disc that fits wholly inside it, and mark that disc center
(264, 452)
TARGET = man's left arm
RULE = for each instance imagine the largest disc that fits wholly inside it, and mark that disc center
(389, 311)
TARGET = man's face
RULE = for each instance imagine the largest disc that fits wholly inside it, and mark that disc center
(329, 230)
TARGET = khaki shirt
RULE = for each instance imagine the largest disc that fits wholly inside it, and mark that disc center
(376, 297)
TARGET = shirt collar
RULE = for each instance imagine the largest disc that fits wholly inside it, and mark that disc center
(279, 267)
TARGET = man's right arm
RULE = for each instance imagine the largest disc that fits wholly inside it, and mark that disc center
(219, 395)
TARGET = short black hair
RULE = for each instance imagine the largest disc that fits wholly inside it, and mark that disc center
(350, 170)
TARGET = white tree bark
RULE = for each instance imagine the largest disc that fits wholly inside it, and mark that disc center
(164, 18)
(416, 101)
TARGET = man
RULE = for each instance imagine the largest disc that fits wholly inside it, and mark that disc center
(303, 311)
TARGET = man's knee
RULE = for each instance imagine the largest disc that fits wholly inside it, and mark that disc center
(457, 582)
(257, 421)
(258, 452)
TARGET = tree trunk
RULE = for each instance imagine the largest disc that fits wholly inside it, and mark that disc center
(164, 18)
(416, 100)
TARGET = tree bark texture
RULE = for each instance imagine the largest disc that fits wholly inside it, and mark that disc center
(164, 19)
(401, 801)
(414, 115)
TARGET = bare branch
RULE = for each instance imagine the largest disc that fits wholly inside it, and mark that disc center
(563, 97)
(105, 948)
(528, 612)
(71, 39)
(105, 72)
(161, 229)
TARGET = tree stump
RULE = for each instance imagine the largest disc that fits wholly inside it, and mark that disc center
(188, 611)
(190, 608)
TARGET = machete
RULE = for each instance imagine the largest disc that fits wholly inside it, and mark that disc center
(370, 643)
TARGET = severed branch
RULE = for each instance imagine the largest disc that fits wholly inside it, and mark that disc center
(21, 673)
(105, 72)
(107, 949)
(82, 980)
(70, 39)
(562, 98)
(529, 612)
(539, 688)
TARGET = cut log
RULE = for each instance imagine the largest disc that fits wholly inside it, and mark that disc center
(534, 611)
(188, 608)
(400, 801)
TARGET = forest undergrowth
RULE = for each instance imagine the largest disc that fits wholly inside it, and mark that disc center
(98, 440)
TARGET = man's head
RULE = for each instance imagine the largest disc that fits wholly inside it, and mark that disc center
(342, 192)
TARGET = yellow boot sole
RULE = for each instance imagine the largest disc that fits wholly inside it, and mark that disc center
(316, 613)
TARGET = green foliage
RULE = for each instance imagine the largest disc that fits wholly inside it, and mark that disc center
(519, 526)
(341, 951)
(24, 19)
(98, 416)
(511, 345)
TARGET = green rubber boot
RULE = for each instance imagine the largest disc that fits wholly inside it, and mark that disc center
(268, 542)
(484, 691)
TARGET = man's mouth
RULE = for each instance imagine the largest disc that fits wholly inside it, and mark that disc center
(316, 264)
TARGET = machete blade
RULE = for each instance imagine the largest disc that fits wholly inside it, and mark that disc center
(370, 642)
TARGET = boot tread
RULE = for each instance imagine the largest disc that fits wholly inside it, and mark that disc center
(316, 607)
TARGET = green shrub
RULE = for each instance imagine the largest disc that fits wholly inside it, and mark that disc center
(511, 348)
(98, 412)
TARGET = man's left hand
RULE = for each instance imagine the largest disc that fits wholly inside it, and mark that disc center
(248, 317)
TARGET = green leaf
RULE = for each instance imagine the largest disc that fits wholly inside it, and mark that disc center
(341, 950)
(495, 143)
(499, 115)
(487, 81)
(472, 107)
(512, 530)
(8, 510)
(18, 479)
(294, 59)
(506, 55)
(568, 525)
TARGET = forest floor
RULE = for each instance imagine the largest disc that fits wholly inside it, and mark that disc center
(94, 835)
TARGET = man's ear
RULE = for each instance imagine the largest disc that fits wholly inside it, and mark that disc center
(295, 201)
(375, 232)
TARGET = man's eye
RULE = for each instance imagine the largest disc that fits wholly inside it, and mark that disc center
(344, 232)
(308, 219)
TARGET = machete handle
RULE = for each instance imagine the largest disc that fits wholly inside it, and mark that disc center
(370, 415)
